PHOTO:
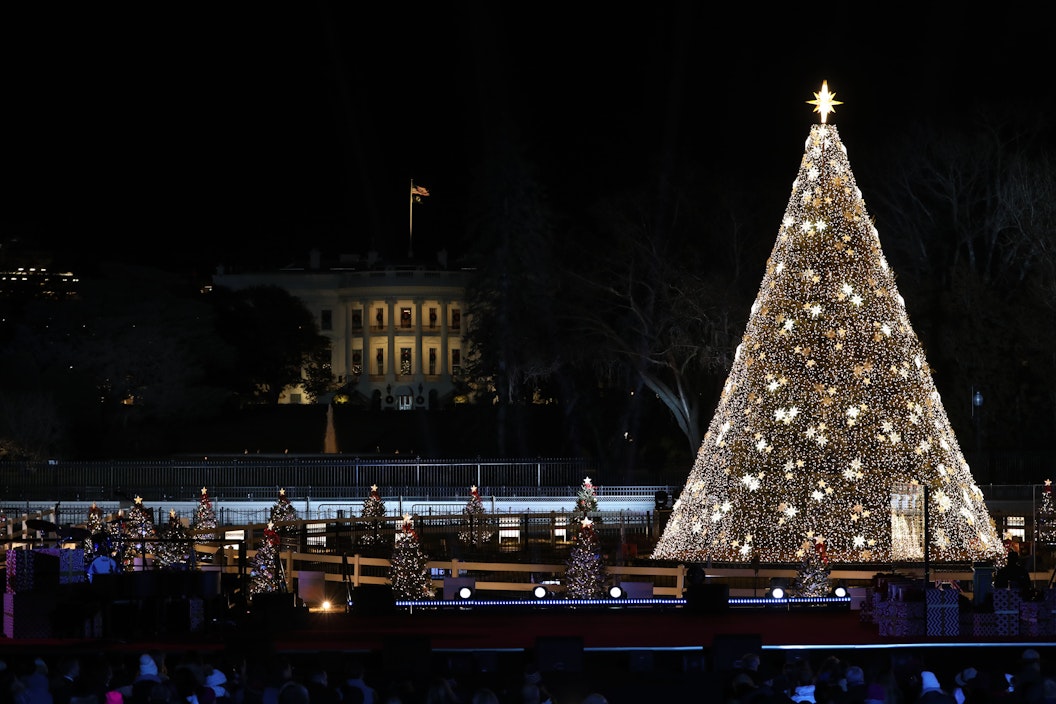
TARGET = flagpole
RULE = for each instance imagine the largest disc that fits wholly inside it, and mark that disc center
(410, 221)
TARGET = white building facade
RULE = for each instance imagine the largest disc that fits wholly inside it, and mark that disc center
(396, 333)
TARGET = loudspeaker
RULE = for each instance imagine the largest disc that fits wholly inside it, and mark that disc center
(373, 599)
(278, 610)
(559, 653)
(728, 648)
(640, 661)
(406, 656)
(708, 598)
(453, 584)
(311, 586)
(637, 590)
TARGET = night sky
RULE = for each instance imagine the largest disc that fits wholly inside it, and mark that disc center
(193, 135)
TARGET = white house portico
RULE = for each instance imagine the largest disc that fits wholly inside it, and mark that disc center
(396, 332)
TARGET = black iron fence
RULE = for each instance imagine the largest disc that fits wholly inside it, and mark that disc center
(257, 476)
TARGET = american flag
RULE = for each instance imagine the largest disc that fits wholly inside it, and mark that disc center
(419, 191)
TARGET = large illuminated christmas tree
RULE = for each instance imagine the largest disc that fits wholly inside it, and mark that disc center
(829, 421)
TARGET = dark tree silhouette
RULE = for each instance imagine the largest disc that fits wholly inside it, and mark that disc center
(276, 339)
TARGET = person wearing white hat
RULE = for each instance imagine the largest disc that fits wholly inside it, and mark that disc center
(931, 692)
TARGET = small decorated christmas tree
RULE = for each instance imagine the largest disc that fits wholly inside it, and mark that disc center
(408, 566)
(174, 546)
(586, 500)
(140, 534)
(812, 577)
(117, 532)
(1046, 520)
(282, 512)
(264, 571)
(373, 512)
(204, 518)
(475, 527)
(584, 570)
(95, 524)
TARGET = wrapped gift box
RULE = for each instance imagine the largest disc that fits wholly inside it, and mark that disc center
(196, 612)
(882, 614)
(943, 612)
(28, 614)
(29, 570)
(984, 624)
(71, 564)
(1035, 619)
(1006, 611)
(907, 618)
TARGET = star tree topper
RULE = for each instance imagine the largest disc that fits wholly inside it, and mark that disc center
(824, 102)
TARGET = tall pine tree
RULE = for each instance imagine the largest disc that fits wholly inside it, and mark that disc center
(830, 408)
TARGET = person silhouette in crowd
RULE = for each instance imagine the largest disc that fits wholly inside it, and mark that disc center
(102, 563)
(1013, 575)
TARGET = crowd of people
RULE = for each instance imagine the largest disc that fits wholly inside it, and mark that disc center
(193, 677)
(898, 677)
(958, 676)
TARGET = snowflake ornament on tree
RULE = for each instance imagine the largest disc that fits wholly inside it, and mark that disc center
(282, 512)
(586, 500)
(372, 513)
(408, 566)
(475, 530)
(584, 569)
(264, 571)
(812, 577)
